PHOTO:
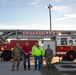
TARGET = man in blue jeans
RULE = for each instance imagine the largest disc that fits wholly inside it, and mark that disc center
(26, 51)
(37, 51)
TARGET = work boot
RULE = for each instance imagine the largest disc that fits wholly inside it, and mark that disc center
(12, 70)
(17, 69)
(35, 69)
(39, 69)
(24, 69)
(28, 68)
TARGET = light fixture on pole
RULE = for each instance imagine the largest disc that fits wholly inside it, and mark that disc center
(49, 7)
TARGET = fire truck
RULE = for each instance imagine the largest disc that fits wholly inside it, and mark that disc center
(62, 45)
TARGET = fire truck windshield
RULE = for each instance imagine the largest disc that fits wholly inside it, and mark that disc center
(63, 41)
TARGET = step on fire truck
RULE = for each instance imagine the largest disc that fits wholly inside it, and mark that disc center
(62, 45)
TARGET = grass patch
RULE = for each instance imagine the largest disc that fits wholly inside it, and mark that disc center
(51, 71)
(54, 71)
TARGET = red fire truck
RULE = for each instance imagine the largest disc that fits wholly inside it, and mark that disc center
(62, 45)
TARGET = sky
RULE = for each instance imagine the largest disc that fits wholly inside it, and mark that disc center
(34, 14)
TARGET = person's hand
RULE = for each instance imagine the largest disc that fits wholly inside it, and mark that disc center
(54, 55)
(26, 53)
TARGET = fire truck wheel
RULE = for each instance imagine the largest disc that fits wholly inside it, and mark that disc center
(7, 55)
(71, 55)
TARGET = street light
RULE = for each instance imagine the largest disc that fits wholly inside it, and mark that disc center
(49, 7)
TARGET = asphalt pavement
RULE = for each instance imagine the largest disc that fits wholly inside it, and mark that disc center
(5, 69)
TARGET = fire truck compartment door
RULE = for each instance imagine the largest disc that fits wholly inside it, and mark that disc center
(52, 45)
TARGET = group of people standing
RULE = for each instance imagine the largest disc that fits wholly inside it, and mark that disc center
(24, 53)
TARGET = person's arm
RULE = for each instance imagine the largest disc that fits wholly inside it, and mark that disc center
(33, 50)
(24, 51)
(21, 52)
(45, 54)
(13, 52)
(29, 51)
(51, 53)
(42, 50)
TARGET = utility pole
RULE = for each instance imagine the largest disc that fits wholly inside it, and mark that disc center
(49, 7)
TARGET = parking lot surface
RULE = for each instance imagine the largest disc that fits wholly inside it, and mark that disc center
(5, 69)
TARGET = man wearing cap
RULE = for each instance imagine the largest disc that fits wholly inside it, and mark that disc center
(17, 55)
(48, 56)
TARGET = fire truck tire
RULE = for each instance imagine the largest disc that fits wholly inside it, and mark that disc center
(7, 55)
(71, 55)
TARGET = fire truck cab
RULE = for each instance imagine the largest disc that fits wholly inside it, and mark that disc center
(66, 46)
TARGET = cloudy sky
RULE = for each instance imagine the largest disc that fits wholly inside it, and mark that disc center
(34, 14)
